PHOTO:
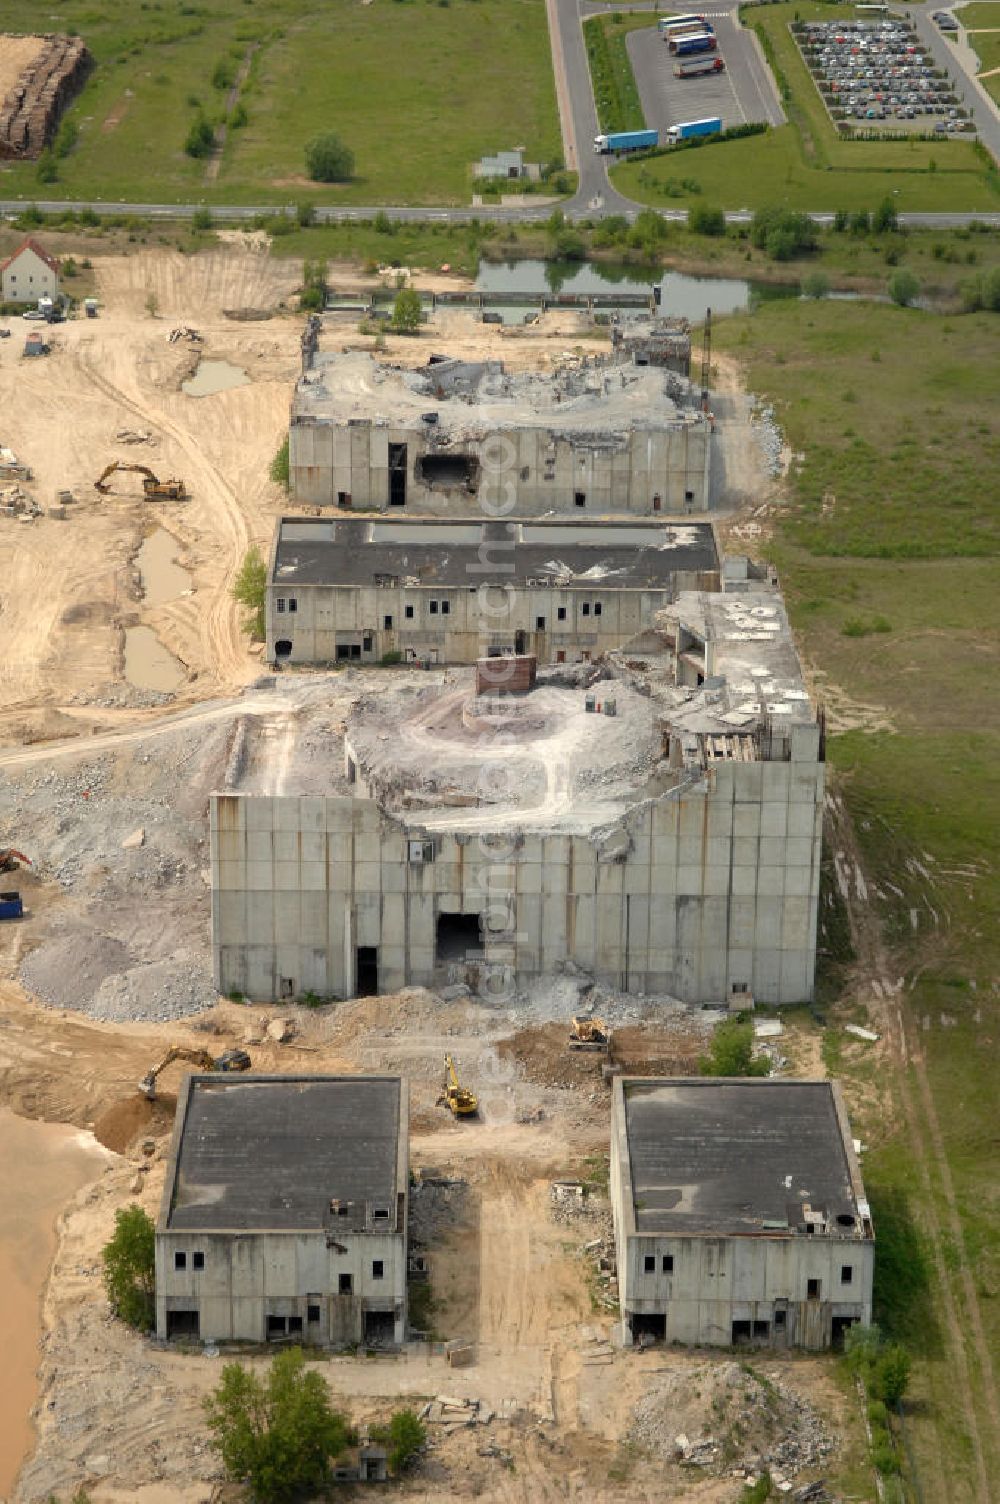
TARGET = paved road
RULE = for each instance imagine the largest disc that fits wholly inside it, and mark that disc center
(743, 92)
(958, 64)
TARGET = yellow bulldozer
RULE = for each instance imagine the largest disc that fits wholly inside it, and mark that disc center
(589, 1034)
(459, 1100)
(229, 1060)
(153, 488)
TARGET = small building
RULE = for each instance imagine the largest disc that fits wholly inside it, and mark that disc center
(355, 589)
(508, 164)
(29, 274)
(739, 1212)
(284, 1211)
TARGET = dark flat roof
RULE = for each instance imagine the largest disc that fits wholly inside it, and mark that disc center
(735, 1156)
(467, 552)
(261, 1152)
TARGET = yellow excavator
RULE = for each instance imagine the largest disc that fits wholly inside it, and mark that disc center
(153, 488)
(589, 1034)
(229, 1060)
(460, 1101)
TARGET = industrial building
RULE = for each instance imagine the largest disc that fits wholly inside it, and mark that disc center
(345, 589)
(595, 436)
(739, 1212)
(654, 821)
(284, 1211)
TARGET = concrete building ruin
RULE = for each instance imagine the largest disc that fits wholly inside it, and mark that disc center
(739, 1211)
(345, 589)
(657, 341)
(654, 821)
(284, 1211)
(593, 436)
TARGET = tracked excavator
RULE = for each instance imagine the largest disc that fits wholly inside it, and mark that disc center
(459, 1100)
(10, 859)
(589, 1034)
(229, 1060)
(153, 488)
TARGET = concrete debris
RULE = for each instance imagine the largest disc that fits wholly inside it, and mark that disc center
(860, 1033)
(770, 439)
(183, 332)
(281, 1030)
(758, 1417)
(135, 840)
(448, 1411)
(135, 436)
(767, 1028)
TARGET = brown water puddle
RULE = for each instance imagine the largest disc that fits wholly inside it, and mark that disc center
(42, 1165)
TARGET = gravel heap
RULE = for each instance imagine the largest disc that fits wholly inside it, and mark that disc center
(729, 1415)
(770, 439)
(96, 974)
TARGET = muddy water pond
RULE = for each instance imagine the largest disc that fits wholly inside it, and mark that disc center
(148, 664)
(42, 1166)
(162, 578)
(214, 376)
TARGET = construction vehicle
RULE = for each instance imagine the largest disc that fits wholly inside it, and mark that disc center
(10, 859)
(589, 1034)
(229, 1060)
(11, 906)
(460, 1101)
(153, 488)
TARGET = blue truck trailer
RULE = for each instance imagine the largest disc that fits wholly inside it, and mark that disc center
(684, 130)
(11, 906)
(626, 141)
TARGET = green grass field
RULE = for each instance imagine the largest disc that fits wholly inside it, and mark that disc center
(805, 164)
(921, 394)
(419, 89)
(984, 22)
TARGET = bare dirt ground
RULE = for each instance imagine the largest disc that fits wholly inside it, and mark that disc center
(116, 946)
(16, 54)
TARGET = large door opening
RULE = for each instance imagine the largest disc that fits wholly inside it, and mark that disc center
(397, 475)
(282, 648)
(742, 1332)
(459, 938)
(183, 1324)
(366, 971)
(841, 1325)
(380, 1328)
(648, 1326)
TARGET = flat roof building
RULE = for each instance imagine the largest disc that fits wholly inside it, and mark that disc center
(739, 1212)
(594, 435)
(284, 1210)
(436, 591)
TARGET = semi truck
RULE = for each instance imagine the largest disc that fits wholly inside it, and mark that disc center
(685, 130)
(699, 41)
(675, 26)
(691, 67)
(626, 141)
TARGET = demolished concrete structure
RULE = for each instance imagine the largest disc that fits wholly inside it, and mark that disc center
(654, 821)
(352, 588)
(595, 434)
(657, 341)
(284, 1211)
(740, 1214)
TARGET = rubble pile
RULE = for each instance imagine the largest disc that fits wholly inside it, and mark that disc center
(730, 1418)
(770, 439)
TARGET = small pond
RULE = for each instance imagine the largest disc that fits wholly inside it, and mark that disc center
(162, 578)
(148, 664)
(214, 376)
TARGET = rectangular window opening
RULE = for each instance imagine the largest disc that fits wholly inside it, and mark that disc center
(846, 1274)
(779, 1320)
(579, 498)
(293, 604)
(668, 1263)
(277, 1326)
(180, 1260)
(813, 1288)
(433, 608)
(597, 608)
(445, 608)
(280, 605)
(197, 1261)
(585, 609)
(345, 1284)
(649, 1263)
(313, 1313)
(378, 1269)
(183, 1324)
(459, 938)
(408, 612)
(387, 623)
(539, 623)
(560, 613)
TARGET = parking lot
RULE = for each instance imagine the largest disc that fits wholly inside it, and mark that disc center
(743, 91)
(877, 75)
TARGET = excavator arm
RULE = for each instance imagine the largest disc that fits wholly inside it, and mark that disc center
(9, 859)
(162, 490)
(200, 1058)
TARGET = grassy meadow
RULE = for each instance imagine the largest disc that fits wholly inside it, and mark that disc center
(887, 555)
(419, 89)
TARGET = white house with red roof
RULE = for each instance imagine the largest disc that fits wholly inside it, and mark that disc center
(29, 274)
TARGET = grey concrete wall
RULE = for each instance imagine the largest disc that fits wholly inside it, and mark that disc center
(712, 885)
(596, 620)
(248, 1276)
(648, 468)
(716, 1281)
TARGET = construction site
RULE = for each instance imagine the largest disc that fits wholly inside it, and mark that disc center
(284, 871)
